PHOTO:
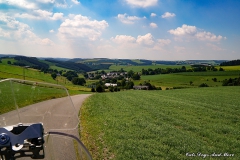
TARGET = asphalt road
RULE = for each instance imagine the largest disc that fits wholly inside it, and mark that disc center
(56, 115)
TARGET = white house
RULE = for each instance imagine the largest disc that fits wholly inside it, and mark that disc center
(110, 84)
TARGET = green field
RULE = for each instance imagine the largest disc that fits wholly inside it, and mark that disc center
(183, 79)
(162, 124)
(11, 71)
(25, 93)
(139, 68)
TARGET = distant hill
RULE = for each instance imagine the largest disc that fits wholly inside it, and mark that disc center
(79, 67)
(231, 63)
(30, 61)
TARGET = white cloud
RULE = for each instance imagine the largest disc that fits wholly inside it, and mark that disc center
(18, 31)
(163, 42)
(51, 31)
(121, 39)
(57, 16)
(146, 39)
(75, 1)
(168, 15)
(214, 47)
(153, 25)
(179, 49)
(79, 26)
(153, 14)
(124, 18)
(21, 4)
(40, 15)
(208, 36)
(193, 32)
(142, 3)
(184, 30)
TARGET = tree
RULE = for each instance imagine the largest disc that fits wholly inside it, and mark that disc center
(85, 75)
(191, 82)
(99, 88)
(114, 80)
(183, 69)
(78, 81)
(70, 75)
(93, 90)
(123, 82)
(203, 85)
(221, 69)
(130, 73)
(214, 79)
(9, 62)
(136, 76)
(54, 75)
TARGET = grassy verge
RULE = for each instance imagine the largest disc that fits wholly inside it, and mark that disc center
(23, 94)
(162, 124)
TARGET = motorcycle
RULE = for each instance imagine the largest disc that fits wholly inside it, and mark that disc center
(38, 121)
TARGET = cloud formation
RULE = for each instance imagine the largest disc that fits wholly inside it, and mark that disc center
(168, 15)
(122, 39)
(17, 31)
(124, 18)
(75, 1)
(194, 32)
(153, 25)
(142, 3)
(153, 15)
(78, 26)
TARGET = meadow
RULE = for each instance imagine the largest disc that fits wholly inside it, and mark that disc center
(183, 79)
(14, 93)
(139, 68)
(162, 124)
(11, 71)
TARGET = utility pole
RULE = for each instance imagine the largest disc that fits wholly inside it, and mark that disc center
(24, 71)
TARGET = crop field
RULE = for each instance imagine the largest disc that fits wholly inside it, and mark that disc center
(183, 79)
(229, 68)
(163, 124)
(139, 68)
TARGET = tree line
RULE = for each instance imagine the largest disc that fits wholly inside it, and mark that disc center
(231, 63)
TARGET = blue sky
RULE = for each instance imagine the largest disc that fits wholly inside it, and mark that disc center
(134, 29)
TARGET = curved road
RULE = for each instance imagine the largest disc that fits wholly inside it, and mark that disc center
(53, 113)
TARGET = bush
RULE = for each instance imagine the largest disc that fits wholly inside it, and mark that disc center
(110, 88)
(99, 88)
(78, 81)
(93, 90)
(203, 85)
(115, 89)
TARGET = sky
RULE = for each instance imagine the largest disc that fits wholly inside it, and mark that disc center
(121, 29)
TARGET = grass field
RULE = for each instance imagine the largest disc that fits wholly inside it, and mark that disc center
(24, 93)
(183, 79)
(162, 124)
(139, 68)
(11, 71)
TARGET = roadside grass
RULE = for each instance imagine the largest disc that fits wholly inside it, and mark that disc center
(162, 124)
(22, 94)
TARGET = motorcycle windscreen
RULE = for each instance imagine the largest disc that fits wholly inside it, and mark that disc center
(34, 102)
(61, 147)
